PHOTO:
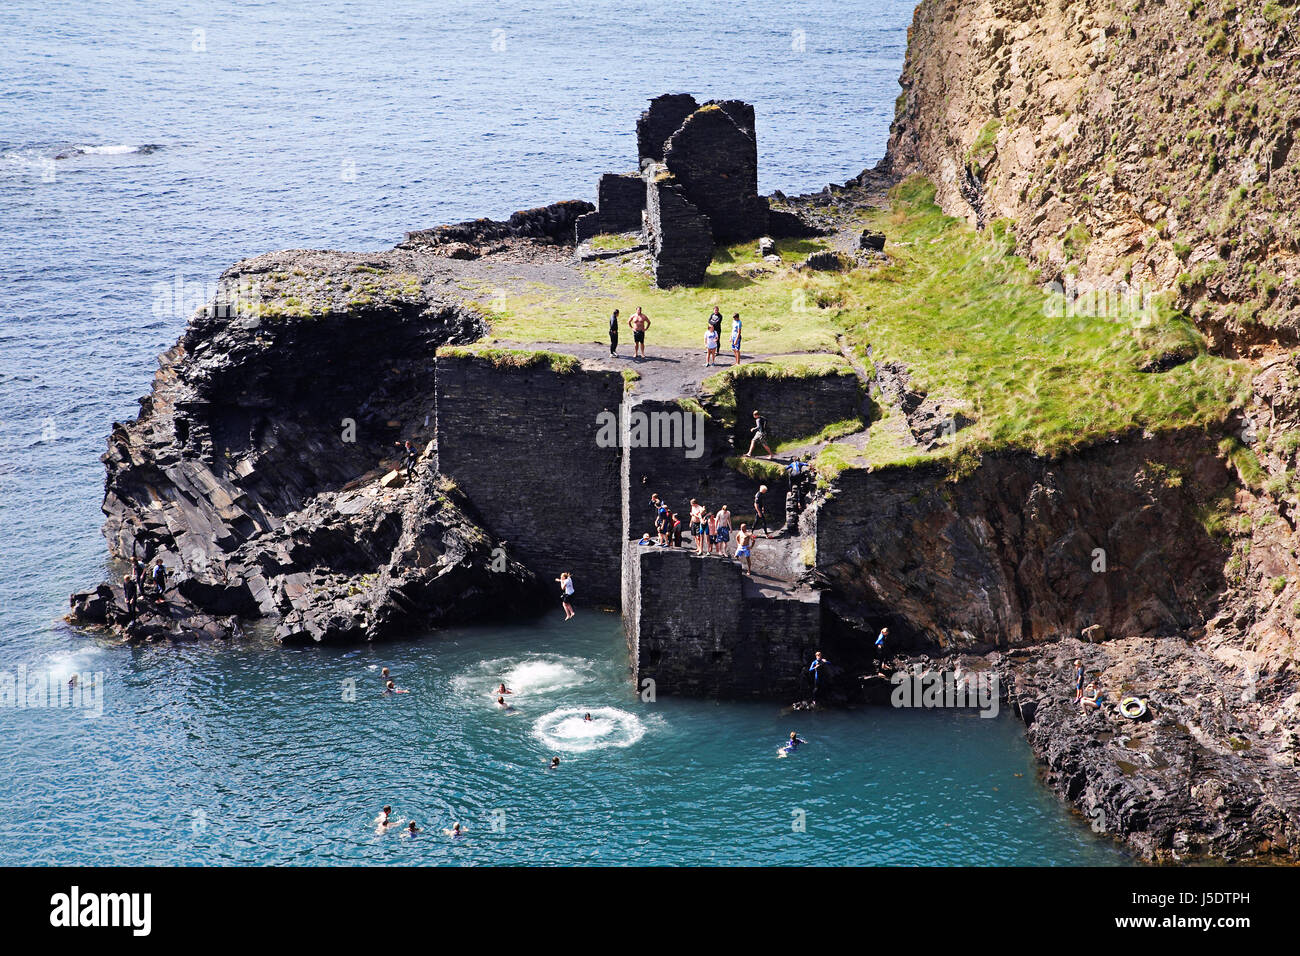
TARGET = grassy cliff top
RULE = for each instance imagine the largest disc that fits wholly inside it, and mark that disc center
(967, 317)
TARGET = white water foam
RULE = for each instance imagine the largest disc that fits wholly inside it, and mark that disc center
(567, 729)
(532, 674)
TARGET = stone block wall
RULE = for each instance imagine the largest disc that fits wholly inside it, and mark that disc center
(661, 119)
(795, 407)
(696, 628)
(677, 478)
(620, 201)
(678, 233)
(521, 444)
(714, 155)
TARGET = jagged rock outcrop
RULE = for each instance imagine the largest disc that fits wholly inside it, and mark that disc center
(547, 224)
(252, 468)
(1131, 146)
(714, 156)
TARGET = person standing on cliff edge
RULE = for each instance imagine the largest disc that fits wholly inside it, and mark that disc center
(639, 323)
(613, 335)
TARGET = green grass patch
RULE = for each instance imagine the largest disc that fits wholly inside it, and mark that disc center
(757, 469)
(831, 432)
(557, 362)
(957, 307)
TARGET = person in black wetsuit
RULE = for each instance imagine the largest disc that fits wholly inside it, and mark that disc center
(129, 592)
(409, 457)
(159, 575)
(613, 335)
(760, 511)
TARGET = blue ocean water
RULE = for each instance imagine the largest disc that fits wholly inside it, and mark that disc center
(142, 151)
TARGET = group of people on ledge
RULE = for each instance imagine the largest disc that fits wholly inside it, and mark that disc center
(640, 324)
(710, 531)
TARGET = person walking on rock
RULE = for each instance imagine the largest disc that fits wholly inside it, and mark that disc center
(760, 436)
(735, 338)
(760, 511)
(639, 323)
(613, 335)
(409, 457)
(880, 644)
(699, 528)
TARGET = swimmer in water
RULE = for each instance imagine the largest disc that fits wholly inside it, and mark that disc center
(587, 718)
(795, 741)
(391, 688)
(384, 675)
(412, 830)
(503, 689)
(455, 831)
(501, 702)
(383, 821)
(555, 764)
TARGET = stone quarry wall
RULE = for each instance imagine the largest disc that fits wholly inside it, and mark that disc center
(620, 203)
(679, 234)
(714, 155)
(795, 407)
(661, 119)
(677, 478)
(696, 628)
(521, 444)
(1008, 555)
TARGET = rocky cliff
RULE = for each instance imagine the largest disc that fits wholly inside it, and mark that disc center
(1130, 145)
(1131, 148)
(253, 470)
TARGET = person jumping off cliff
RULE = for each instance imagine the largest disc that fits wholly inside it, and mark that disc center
(760, 435)
(565, 580)
(613, 335)
(639, 323)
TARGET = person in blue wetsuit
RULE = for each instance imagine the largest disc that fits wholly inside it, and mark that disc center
(793, 744)
(815, 668)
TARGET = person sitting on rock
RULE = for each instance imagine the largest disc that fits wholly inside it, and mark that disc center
(1093, 698)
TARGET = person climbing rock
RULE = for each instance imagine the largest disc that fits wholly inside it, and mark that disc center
(613, 335)
(159, 578)
(880, 644)
(409, 457)
(129, 595)
(760, 435)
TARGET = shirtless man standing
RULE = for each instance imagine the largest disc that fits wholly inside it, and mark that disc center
(639, 322)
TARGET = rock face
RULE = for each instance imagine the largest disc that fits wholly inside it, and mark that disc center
(620, 202)
(1141, 146)
(1196, 777)
(554, 223)
(678, 233)
(278, 399)
(1025, 550)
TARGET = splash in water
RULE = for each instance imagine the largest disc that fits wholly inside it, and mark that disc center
(567, 729)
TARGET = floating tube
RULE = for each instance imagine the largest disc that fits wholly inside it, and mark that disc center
(1133, 708)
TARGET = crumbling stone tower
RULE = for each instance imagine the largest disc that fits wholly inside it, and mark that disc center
(699, 185)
